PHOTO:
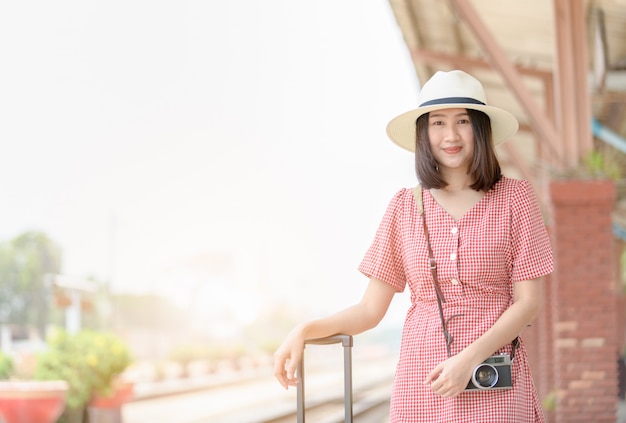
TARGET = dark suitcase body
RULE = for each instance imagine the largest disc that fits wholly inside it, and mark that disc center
(346, 342)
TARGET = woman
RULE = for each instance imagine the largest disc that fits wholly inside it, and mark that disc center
(489, 248)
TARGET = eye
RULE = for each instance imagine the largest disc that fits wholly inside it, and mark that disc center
(436, 122)
(464, 121)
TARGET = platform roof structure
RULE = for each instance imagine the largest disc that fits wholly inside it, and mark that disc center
(559, 66)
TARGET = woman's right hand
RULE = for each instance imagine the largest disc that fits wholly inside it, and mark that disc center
(287, 357)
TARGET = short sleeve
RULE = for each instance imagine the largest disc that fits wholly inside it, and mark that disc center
(383, 259)
(531, 248)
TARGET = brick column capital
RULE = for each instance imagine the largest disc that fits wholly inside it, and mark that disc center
(582, 192)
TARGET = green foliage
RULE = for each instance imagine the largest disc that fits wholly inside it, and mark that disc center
(88, 360)
(6, 366)
(24, 262)
(597, 164)
(600, 165)
(549, 403)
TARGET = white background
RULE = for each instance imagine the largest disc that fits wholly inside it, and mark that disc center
(226, 153)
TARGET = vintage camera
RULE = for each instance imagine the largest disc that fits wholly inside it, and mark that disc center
(493, 373)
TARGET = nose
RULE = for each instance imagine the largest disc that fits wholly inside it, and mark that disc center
(452, 132)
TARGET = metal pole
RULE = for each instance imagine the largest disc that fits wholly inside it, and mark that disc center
(300, 389)
(347, 342)
(347, 381)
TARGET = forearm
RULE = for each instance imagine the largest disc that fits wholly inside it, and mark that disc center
(353, 320)
(450, 377)
(350, 321)
(508, 326)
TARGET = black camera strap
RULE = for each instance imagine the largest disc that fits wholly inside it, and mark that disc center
(440, 298)
(417, 194)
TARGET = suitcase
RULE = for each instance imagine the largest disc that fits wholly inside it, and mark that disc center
(346, 342)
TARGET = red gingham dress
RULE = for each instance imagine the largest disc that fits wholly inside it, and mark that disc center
(501, 240)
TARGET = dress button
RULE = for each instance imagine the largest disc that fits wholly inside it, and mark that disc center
(455, 281)
(453, 256)
(454, 230)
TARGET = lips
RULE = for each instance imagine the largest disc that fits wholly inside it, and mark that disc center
(452, 150)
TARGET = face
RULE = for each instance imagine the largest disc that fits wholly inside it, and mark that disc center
(451, 138)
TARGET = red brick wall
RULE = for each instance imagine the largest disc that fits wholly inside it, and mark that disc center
(539, 346)
(537, 340)
(582, 298)
(621, 298)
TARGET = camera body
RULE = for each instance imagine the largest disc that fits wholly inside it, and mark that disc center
(493, 373)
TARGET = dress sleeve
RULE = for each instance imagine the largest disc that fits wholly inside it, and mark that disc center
(532, 251)
(383, 259)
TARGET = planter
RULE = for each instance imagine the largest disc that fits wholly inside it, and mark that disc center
(32, 401)
(122, 393)
(108, 409)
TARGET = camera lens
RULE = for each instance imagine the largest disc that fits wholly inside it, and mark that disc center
(485, 376)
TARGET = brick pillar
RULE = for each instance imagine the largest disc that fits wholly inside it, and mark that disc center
(583, 302)
(538, 343)
(543, 371)
(621, 298)
(620, 326)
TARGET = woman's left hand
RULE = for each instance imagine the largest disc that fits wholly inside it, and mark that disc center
(450, 377)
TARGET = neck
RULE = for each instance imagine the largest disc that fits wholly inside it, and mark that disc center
(457, 181)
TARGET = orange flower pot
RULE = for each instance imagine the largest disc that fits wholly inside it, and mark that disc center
(32, 401)
(122, 393)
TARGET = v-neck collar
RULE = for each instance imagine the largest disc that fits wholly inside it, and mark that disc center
(467, 212)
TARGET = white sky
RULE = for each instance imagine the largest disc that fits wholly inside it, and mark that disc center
(141, 134)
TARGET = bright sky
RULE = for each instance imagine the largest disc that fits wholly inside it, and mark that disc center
(141, 135)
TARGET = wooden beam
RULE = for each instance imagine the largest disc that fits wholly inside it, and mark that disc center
(563, 64)
(516, 158)
(544, 128)
(434, 58)
(582, 87)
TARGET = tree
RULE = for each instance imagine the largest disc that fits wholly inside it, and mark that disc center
(24, 263)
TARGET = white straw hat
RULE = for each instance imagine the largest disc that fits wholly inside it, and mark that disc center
(451, 90)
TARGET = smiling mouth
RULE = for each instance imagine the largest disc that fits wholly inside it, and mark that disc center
(452, 150)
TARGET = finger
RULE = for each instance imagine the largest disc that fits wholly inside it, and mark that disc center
(441, 391)
(451, 393)
(432, 376)
(455, 393)
(279, 370)
(282, 379)
(437, 386)
(291, 367)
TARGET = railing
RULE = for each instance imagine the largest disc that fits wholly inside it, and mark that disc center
(605, 134)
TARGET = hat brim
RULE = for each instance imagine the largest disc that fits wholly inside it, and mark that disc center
(401, 129)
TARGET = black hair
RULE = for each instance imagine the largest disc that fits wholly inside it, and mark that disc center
(484, 169)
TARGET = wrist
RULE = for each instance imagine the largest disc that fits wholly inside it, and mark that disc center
(473, 355)
(303, 330)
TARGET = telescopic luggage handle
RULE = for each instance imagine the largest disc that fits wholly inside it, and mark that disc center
(346, 342)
